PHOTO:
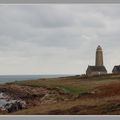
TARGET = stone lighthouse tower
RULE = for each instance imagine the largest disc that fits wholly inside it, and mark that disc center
(99, 56)
(98, 68)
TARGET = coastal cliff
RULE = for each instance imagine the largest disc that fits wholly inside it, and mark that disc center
(74, 95)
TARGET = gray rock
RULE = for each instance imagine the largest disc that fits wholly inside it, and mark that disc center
(14, 105)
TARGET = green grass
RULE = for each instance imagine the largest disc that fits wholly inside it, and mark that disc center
(73, 90)
(76, 90)
(71, 84)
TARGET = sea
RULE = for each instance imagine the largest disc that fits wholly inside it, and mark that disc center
(12, 78)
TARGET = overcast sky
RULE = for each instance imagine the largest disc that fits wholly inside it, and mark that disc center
(57, 38)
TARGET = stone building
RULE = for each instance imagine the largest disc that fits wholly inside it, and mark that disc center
(99, 68)
(116, 69)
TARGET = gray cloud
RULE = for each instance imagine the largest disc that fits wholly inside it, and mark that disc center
(49, 39)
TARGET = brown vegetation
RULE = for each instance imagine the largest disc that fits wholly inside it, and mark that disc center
(68, 95)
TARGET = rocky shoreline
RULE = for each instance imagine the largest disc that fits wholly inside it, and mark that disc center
(7, 104)
(22, 97)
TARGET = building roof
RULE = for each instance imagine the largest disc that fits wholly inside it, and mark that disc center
(97, 68)
(117, 68)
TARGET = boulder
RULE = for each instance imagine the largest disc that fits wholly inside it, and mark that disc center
(14, 105)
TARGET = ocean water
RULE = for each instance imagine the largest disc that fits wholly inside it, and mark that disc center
(12, 78)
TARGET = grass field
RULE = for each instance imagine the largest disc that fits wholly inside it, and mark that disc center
(72, 84)
(93, 95)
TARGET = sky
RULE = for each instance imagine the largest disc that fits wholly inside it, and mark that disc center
(57, 38)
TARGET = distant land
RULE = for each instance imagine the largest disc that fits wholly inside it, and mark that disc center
(72, 95)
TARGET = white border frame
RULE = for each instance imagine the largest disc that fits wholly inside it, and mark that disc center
(58, 117)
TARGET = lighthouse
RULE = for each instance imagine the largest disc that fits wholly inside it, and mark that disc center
(99, 56)
(98, 68)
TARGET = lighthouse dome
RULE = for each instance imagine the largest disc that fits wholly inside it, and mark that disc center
(99, 48)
